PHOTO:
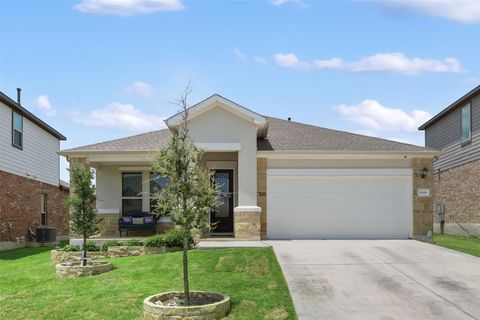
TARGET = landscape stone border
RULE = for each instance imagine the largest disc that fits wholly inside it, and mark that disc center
(152, 310)
(74, 269)
(58, 256)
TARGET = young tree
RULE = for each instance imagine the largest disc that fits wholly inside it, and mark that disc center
(189, 195)
(84, 219)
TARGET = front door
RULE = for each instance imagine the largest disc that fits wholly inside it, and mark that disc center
(221, 219)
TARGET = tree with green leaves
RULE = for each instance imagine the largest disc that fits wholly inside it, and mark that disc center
(189, 196)
(84, 219)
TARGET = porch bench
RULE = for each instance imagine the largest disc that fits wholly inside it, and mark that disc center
(136, 221)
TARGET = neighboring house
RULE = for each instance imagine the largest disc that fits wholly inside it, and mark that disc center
(456, 131)
(30, 190)
(281, 179)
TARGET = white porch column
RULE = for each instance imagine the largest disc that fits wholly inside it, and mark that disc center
(247, 213)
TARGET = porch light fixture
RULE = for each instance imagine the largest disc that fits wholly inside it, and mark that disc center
(424, 173)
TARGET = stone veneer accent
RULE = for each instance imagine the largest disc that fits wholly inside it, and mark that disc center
(109, 225)
(459, 189)
(262, 194)
(422, 206)
(20, 206)
(247, 225)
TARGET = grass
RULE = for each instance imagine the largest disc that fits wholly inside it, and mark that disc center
(251, 277)
(468, 245)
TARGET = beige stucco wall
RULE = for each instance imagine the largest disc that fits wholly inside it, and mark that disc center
(218, 125)
(109, 187)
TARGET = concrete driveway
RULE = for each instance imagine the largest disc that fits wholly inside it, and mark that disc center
(379, 279)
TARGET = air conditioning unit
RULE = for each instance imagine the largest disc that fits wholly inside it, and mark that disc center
(46, 234)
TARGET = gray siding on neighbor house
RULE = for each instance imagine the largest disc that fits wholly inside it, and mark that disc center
(445, 134)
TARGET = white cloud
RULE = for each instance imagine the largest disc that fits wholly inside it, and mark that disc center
(119, 116)
(464, 11)
(396, 62)
(128, 7)
(290, 60)
(45, 106)
(258, 59)
(372, 116)
(282, 2)
(239, 54)
(139, 88)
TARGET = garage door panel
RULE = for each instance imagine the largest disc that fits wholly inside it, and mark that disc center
(291, 201)
(339, 207)
(334, 216)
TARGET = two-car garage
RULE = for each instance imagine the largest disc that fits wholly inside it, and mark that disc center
(339, 203)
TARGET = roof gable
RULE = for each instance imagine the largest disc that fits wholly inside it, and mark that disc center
(215, 101)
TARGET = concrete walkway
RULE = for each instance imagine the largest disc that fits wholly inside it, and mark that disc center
(379, 279)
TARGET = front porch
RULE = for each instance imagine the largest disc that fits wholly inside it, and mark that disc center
(124, 188)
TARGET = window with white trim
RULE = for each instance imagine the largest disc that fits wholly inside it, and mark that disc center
(17, 130)
(467, 123)
(43, 209)
(131, 192)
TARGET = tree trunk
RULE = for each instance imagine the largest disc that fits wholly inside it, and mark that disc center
(186, 289)
(84, 258)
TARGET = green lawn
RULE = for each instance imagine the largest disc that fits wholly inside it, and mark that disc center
(251, 277)
(464, 244)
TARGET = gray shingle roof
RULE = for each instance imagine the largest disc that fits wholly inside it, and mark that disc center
(150, 141)
(285, 135)
(282, 135)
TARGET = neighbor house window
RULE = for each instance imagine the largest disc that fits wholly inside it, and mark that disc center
(17, 130)
(131, 192)
(466, 123)
(43, 209)
(157, 183)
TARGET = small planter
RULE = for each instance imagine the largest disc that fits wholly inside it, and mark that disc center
(75, 269)
(205, 305)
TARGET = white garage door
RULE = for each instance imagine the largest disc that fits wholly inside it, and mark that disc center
(339, 203)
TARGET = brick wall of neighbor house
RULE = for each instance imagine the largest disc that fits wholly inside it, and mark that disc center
(20, 205)
(262, 194)
(459, 189)
(422, 206)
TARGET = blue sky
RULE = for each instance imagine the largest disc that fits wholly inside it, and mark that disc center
(103, 69)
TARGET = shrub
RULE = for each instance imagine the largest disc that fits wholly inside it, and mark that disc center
(71, 248)
(110, 243)
(172, 238)
(92, 246)
(133, 242)
(155, 241)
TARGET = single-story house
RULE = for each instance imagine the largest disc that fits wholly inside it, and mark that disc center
(284, 180)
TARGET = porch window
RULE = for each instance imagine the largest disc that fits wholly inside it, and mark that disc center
(157, 183)
(131, 192)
